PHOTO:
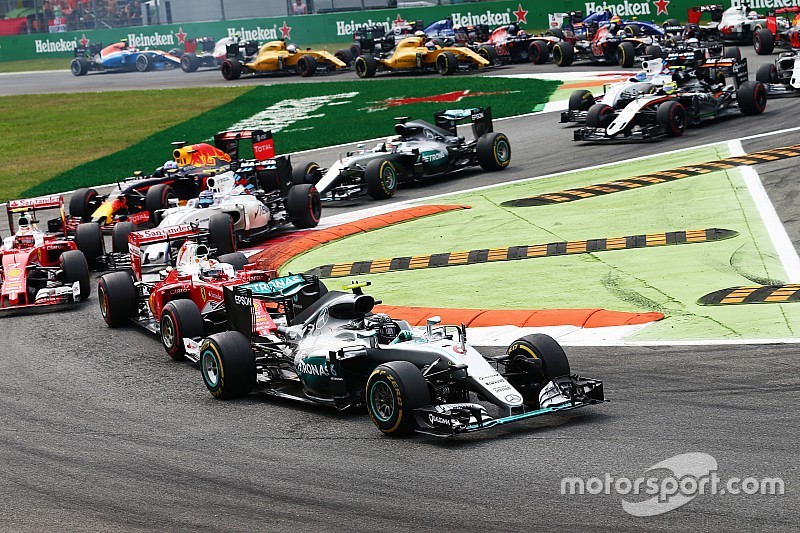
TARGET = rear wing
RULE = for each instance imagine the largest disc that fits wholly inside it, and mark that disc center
(737, 66)
(31, 205)
(481, 119)
(772, 15)
(150, 236)
(263, 143)
(694, 14)
(250, 49)
(206, 44)
(88, 50)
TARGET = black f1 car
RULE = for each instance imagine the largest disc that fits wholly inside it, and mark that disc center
(336, 352)
(419, 150)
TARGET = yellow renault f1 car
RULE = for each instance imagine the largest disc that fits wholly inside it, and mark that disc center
(417, 53)
(277, 56)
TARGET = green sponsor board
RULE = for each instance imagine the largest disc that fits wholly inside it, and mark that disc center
(339, 27)
(313, 115)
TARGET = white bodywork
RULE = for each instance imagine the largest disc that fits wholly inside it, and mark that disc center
(737, 20)
(656, 74)
(358, 158)
(629, 112)
(246, 210)
(795, 80)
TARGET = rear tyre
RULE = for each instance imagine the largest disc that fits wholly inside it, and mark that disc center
(493, 151)
(381, 177)
(190, 63)
(79, 66)
(446, 63)
(304, 206)
(237, 260)
(393, 391)
(83, 203)
(563, 54)
(540, 346)
(763, 42)
(118, 299)
(119, 236)
(672, 116)
(231, 69)
(581, 100)
(654, 50)
(305, 174)
(366, 66)
(599, 116)
(220, 228)
(157, 199)
(558, 33)
(345, 56)
(89, 239)
(732, 52)
(228, 365)
(307, 66)
(632, 31)
(767, 73)
(538, 52)
(626, 54)
(180, 319)
(752, 98)
(75, 268)
(143, 63)
(355, 50)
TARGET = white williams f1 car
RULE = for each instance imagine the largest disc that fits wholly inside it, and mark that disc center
(334, 351)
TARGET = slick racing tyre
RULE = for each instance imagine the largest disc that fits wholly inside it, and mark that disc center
(763, 42)
(732, 52)
(558, 33)
(626, 54)
(672, 117)
(345, 56)
(118, 298)
(231, 69)
(752, 98)
(89, 239)
(381, 178)
(180, 319)
(654, 50)
(307, 66)
(83, 203)
(190, 63)
(599, 116)
(79, 66)
(446, 63)
(236, 259)
(393, 391)
(307, 173)
(767, 73)
(228, 365)
(156, 199)
(143, 63)
(220, 228)
(580, 100)
(545, 348)
(75, 268)
(304, 206)
(563, 54)
(538, 52)
(119, 236)
(489, 53)
(355, 51)
(366, 66)
(493, 151)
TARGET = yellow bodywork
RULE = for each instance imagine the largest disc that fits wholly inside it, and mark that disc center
(407, 51)
(273, 55)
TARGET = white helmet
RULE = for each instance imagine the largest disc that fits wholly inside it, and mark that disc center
(291, 49)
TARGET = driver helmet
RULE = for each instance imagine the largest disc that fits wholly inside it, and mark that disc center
(24, 225)
(386, 328)
(419, 33)
(752, 15)
(670, 88)
(206, 199)
(169, 165)
(292, 49)
(430, 45)
(641, 75)
(513, 29)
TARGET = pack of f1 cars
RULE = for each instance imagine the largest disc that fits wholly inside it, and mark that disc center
(780, 31)
(119, 57)
(139, 198)
(254, 199)
(168, 284)
(668, 109)
(417, 53)
(277, 57)
(40, 270)
(737, 24)
(336, 352)
(419, 150)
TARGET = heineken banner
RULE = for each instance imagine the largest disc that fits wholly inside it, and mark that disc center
(339, 27)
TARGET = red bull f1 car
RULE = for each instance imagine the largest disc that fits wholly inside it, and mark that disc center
(337, 352)
(40, 270)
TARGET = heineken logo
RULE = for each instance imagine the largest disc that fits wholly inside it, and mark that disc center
(625, 8)
(47, 46)
(140, 40)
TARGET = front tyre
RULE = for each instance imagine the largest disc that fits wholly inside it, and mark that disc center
(493, 151)
(672, 117)
(307, 66)
(220, 229)
(180, 319)
(546, 348)
(118, 298)
(75, 268)
(599, 116)
(89, 240)
(393, 391)
(626, 54)
(119, 236)
(381, 178)
(580, 100)
(366, 66)
(228, 365)
(446, 63)
(767, 73)
(563, 54)
(308, 173)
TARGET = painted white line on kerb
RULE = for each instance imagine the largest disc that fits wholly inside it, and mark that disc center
(769, 217)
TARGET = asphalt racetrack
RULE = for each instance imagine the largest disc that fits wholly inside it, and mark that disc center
(102, 432)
